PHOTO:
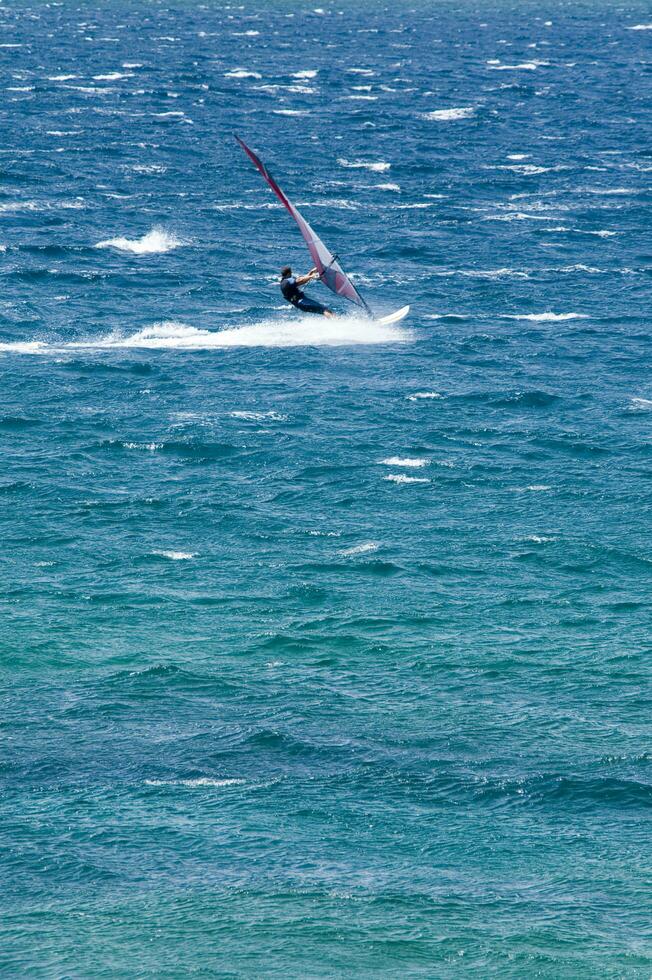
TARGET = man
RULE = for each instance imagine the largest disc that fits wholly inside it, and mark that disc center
(291, 292)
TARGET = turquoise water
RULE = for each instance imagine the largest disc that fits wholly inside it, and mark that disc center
(325, 646)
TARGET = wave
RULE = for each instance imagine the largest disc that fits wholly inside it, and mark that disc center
(379, 167)
(360, 549)
(424, 396)
(175, 555)
(241, 73)
(546, 317)
(640, 27)
(402, 478)
(408, 461)
(171, 335)
(154, 242)
(113, 76)
(523, 66)
(445, 115)
(203, 781)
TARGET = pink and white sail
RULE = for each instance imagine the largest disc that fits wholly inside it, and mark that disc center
(330, 271)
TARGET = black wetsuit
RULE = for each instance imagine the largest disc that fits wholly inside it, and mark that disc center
(293, 294)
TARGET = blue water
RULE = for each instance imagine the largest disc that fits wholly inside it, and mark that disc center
(325, 646)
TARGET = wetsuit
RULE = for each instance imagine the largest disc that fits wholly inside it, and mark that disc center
(293, 294)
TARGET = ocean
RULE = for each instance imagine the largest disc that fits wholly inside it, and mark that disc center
(325, 645)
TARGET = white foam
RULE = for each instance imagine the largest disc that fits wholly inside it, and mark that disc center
(547, 317)
(112, 76)
(388, 187)
(176, 555)
(409, 461)
(259, 416)
(61, 78)
(290, 112)
(170, 335)
(424, 396)
(195, 783)
(24, 347)
(526, 169)
(640, 27)
(149, 446)
(308, 73)
(360, 549)
(524, 66)
(305, 332)
(489, 273)
(154, 242)
(379, 167)
(538, 488)
(641, 404)
(444, 115)
(402, 478)
(241, 73)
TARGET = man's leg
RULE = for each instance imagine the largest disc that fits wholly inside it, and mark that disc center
(307, 305)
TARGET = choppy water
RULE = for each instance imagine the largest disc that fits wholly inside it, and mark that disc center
(325, 647)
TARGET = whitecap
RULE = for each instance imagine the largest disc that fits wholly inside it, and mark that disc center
(154, 242)
(241, 73)
(640, 27)
(444, 115)
(61, 78)
(176, 555)
(308, 73)
(387, 187)
(290, 112)
(379, 167)
(546, 317)
(195, 783)
(524, 66)
(112, 76)
(149, 446)
(409, 461)
(423, 396)
(259, 416)
(402, 478)
(360, 549)
(641, 404)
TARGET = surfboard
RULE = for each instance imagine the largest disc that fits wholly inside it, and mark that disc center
(393, 317)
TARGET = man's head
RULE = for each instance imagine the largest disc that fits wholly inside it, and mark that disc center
(286, 272)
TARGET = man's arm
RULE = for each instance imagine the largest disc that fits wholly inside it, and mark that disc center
(309, 276)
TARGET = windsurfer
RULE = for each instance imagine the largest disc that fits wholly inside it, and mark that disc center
(292, 293)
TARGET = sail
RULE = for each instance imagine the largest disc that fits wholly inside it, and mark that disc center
(330, 271)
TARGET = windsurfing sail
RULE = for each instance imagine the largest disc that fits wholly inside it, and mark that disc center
(330, 271)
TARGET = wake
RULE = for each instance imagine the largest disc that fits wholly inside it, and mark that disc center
(172, 335)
